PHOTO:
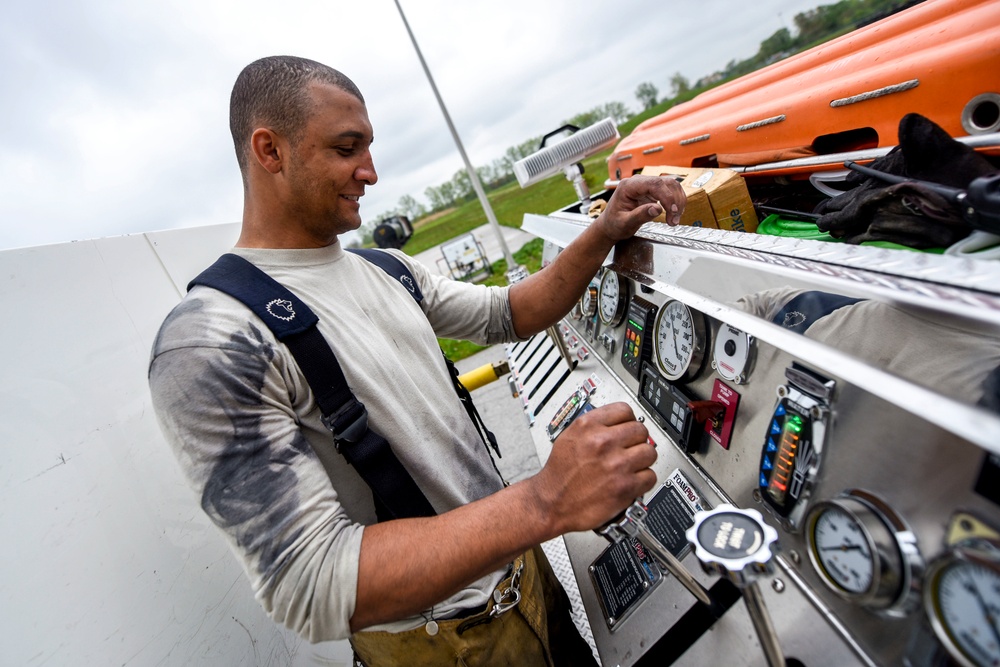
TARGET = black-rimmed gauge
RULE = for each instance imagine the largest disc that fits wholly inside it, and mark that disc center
(612, 299)
(588, 302)
(679, 341)
(863, 551)
(962, 601)
(733, 354)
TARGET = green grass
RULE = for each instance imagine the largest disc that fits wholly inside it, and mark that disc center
(509, 204)
(456, 350)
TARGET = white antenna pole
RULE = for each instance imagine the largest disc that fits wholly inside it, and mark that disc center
(473, 176)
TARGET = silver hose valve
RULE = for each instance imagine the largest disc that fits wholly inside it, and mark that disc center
(737, 544)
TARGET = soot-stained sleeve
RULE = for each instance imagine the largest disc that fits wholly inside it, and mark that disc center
(462, 310)
(227, 413)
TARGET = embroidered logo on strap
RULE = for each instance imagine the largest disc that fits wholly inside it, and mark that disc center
(281, 309)
(793, 319)
(408, 283)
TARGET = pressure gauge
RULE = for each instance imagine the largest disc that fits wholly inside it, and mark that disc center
(588, 302)
(679, 341)
(733, 354)
(962, 600)
(864, 552)
(612, 298)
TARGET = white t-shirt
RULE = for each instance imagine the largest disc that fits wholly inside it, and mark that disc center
(242, 421)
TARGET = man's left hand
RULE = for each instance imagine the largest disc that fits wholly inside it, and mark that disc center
(636, 201)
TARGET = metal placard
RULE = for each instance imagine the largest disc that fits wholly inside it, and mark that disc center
(623, 575)
(670, 512)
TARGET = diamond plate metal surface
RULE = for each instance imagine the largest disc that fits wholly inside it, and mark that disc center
(858, 263)
(555, 551)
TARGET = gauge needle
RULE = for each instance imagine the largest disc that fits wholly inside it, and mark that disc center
(844, 547)
(990, 619)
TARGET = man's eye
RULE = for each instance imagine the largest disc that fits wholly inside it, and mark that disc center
(344, 150)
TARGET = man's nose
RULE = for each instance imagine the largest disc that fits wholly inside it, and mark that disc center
(366, 172)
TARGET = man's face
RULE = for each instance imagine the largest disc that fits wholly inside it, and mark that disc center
(330, 165)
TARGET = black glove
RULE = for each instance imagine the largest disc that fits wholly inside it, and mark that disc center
(906, 213)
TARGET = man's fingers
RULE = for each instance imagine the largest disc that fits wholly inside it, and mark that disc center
(611, 414)
(641, 455)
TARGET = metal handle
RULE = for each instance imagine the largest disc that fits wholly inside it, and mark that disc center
(763, 625)
(670, 562)
(737, 544)
(632, 523)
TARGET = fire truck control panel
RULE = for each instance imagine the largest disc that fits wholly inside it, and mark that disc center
(828, 439)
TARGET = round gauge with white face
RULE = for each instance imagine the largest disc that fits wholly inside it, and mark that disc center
(864, 552)
(612, 297)
(679, 341)
(844, 552)
(733, 354)
(588, 302)
(962, 600)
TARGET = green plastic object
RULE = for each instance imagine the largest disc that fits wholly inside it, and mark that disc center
(776, 225)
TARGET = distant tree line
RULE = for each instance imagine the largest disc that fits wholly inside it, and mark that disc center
(811, 27)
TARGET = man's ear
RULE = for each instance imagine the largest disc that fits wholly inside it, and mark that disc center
(268, 149)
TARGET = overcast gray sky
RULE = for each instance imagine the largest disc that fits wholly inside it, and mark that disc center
(116, 112)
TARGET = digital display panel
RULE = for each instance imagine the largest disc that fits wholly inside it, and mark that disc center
(668, 406)
(636, 342)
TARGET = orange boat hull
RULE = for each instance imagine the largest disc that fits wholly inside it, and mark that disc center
(940, 59)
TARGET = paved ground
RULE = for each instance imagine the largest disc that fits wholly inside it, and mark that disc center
(503, 414)
(515, 238)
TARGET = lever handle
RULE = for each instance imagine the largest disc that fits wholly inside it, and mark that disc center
(632, 523)
(737, 544)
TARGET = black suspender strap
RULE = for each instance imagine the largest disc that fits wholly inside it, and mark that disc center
(294, 323)
(396, 269)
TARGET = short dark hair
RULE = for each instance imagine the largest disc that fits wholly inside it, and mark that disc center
(273, 92)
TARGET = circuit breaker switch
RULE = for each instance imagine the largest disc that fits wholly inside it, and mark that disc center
(711, 412)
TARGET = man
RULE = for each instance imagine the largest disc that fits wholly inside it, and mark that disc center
(246, 429)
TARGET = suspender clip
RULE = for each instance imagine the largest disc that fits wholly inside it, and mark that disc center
(348, 424)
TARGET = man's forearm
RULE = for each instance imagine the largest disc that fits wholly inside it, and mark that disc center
(542, 299)
(596, 467)
(545, 297)
(406, 566)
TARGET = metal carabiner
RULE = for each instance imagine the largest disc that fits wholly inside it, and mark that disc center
(510, 597)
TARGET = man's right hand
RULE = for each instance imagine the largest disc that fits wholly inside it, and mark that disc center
(598, 466)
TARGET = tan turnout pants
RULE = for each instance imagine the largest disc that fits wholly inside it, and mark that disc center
(538, 632)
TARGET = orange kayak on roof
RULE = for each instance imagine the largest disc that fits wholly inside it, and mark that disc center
(940, 59)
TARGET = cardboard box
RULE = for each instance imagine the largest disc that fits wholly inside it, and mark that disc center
(726, 193)
(698, 211)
